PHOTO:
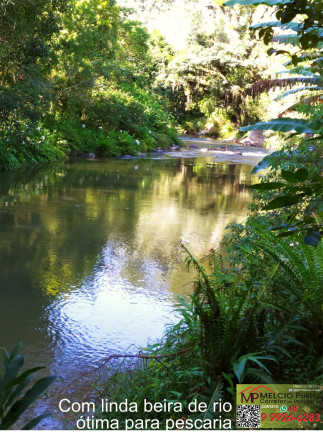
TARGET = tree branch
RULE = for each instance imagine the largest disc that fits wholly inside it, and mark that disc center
(140, 355)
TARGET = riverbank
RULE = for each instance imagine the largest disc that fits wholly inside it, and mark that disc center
(209, 149)
(51, 149)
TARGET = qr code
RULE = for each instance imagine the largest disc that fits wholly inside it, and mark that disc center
(248, 416)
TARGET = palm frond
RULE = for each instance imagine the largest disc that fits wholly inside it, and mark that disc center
(285, 124)
(286, 26)
(291, 39)
(307, 56)
(256, 2)
(297, 90)
(266, 85)
(303, 70)
(311, 100)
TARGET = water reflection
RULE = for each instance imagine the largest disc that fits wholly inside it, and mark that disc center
(90, 251)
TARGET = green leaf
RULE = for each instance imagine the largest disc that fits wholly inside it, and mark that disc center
(299, 89)
(294, 340)
(312, 238)
(22, 404)
(15, 349)
(287, 233)
(34, 422)
(282, 125)
(11, 371)
(302, 174)
(239, 367)
(226, 376)
(304, 70)
(283, 201)
(284, 351)
(279, 227)
(289, 176)
(267, 186)
(259, 363)
(21, 382)
(264, 163)
(217, 394)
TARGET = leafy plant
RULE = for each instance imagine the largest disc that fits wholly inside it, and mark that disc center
(12, 384)
(298, 188)
(242, 371)
(286, 124)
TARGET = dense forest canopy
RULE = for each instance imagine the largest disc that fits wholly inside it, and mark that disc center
(116, 77)
(212, 57)
(76, 76)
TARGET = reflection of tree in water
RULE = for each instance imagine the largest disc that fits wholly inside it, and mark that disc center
(56, 220)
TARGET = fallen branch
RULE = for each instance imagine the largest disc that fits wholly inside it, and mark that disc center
(141, 355)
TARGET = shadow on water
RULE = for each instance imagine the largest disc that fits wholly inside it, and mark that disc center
(91, 258)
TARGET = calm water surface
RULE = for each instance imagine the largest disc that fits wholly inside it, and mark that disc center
(90, 252)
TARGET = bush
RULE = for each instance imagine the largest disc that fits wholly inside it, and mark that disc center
(12, 403)
(24, 143)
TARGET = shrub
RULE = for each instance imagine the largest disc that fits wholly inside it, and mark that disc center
(12, 402)
(23, 143)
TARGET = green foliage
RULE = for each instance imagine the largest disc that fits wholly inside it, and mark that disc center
(12, 402)
(255, 320)
(308, 32)
(256, 316)
(285, 125)
(174, 378)
(299, 198)
(240, 366)
(88, 65)
(204, 80)
(297, 190)
(23, 142)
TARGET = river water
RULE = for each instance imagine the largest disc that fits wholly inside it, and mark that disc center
(91, 257)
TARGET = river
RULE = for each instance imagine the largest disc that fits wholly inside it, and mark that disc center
(91, 257)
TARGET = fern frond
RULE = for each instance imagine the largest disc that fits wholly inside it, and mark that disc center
(190, 259)
(306, 56)
(217, 272)
(291, 260)
(318, 261)
(259, 375)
